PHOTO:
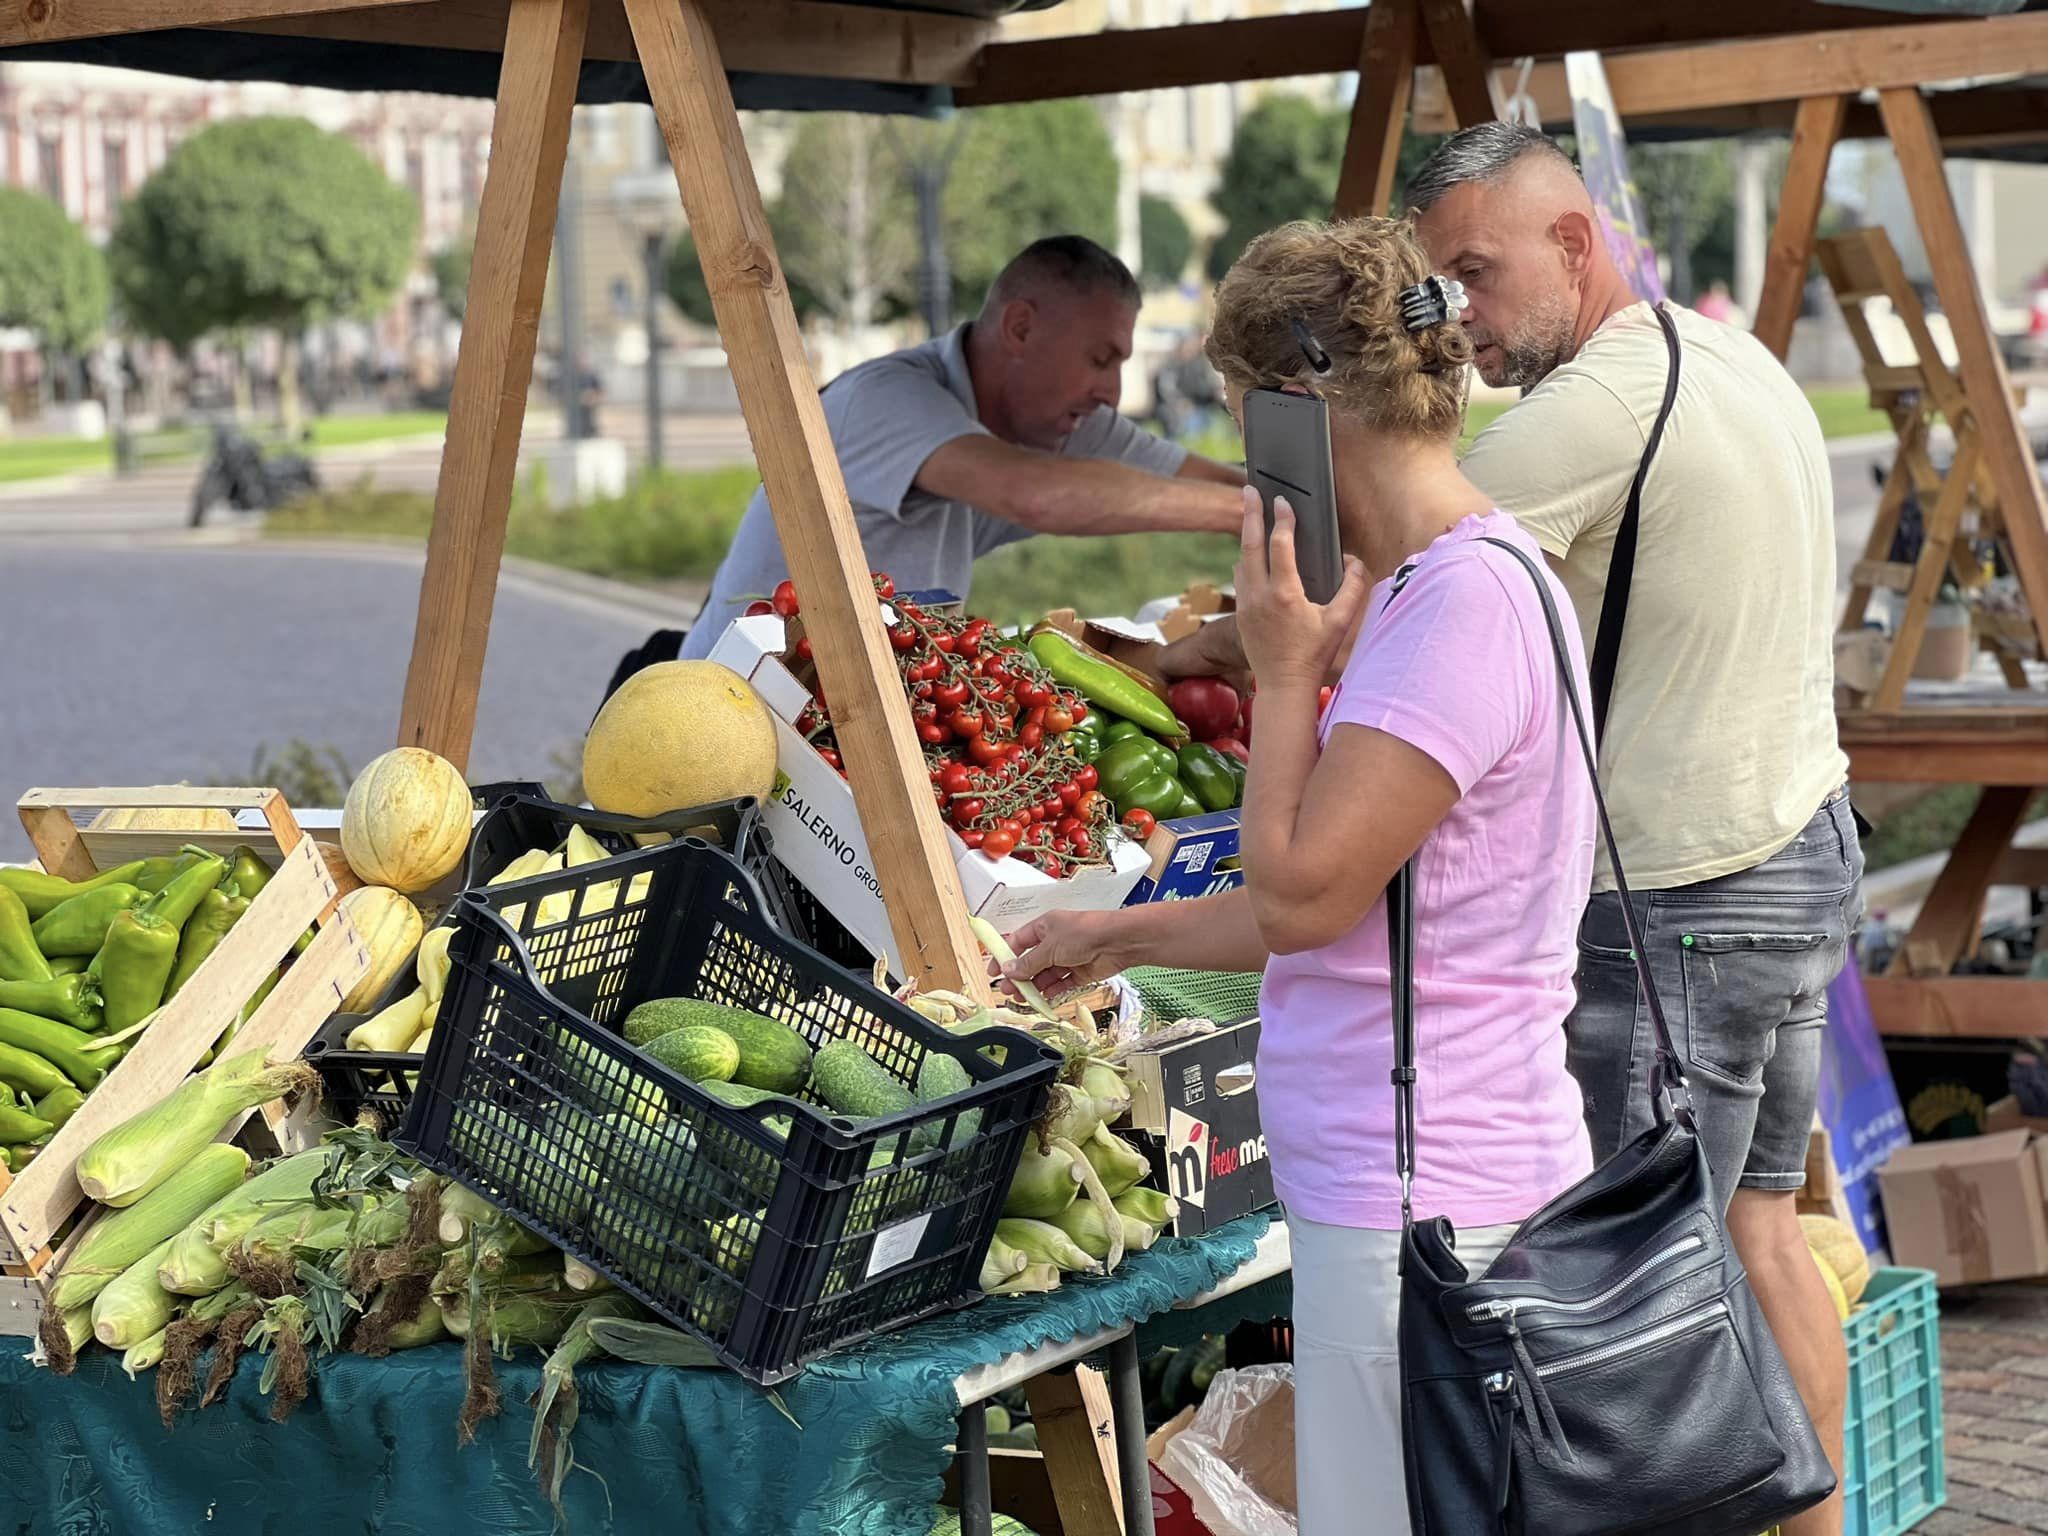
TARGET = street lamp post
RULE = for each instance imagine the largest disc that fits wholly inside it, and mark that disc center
(653, 250)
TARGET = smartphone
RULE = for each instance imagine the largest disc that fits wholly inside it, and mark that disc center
(1287, 453)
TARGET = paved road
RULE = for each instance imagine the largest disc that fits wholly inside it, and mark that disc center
(142, 663)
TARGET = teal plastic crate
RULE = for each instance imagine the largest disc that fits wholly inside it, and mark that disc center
(1896, 1473)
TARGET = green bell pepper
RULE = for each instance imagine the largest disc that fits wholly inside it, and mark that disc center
(1121, 730)
(135, 964)
(1084, 740)
(72, 1000)
(1127, 761)
(40, 892)
(180, 899)
(1157, 791)
(1205, 771)
(1189, 806)
(202, 933)
(21, 958)
(79, 926)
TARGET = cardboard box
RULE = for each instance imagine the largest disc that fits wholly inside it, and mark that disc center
(817, 834)
(1196, 1100)
(2005, 1116)
(1968, 1209)
(1195, 856)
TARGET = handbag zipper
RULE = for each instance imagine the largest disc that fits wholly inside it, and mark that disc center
(1649, 1338)
(1508, 1306)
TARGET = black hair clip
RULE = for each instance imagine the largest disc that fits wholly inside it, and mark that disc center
(1318, 359)
(1432, 301)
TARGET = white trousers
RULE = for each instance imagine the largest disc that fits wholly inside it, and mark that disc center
(1347, 1374)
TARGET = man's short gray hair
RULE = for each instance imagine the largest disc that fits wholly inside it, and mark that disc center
(1072, 262)
(1483, 152)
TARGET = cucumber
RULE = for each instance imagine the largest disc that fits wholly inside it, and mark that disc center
(940, 1076)
(772, 1055)
(699, 1052)
(857, 1085)
(739, 1095)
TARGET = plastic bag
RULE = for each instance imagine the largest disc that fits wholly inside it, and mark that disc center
(1235, 1461)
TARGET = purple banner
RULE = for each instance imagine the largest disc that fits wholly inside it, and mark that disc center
(1858, 1103)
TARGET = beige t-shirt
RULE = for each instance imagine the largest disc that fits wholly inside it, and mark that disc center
(1720, 738)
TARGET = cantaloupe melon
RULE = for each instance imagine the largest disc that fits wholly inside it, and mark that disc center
(407, 820)
(679, 734)
(1839, 1251)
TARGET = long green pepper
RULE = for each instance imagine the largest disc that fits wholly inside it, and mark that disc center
(247, 873)
(1102, 684)
(135, 966)
(204, 929)
(79, 926)
(20, 957)
(180, 899)
(73, 1000)
(40, 892)
(29, 1072)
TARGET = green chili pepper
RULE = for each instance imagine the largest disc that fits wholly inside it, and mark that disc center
(159, 871)
(202, 933)
(1158, 792)
(40, 892)
(60, 1045)
(135, 964)
(247, 873)
(72, 1000)
(79, 926)
(1206, 772)
(1100, 683)
(59, 1105)
(29, 1072)
(21, 959)
(69, 965)
(180, 899)
(19, 1156)
(1121, 730)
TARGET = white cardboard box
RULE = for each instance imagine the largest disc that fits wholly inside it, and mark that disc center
(818, 836)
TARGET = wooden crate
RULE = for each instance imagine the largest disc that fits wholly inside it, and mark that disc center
(36, 1203)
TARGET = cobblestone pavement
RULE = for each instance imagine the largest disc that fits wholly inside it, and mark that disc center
(1994, 1362)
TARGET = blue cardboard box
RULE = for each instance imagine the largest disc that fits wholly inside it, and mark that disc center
(1194, 856)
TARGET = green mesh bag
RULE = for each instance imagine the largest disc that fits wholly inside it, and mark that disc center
(1222, 996)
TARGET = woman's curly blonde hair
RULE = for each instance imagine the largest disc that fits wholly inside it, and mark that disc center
(1343, 281)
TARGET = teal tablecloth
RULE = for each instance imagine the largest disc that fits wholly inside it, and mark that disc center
(373, 1453)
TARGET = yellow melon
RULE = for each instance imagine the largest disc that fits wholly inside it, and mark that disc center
(390, 928)
(407, 820)
(1839, 1252)
(679, 734)
(1835, 1292)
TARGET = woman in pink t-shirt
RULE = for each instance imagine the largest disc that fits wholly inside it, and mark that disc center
(1448, 738)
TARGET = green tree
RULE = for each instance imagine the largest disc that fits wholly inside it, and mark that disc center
(451, 273)
(1282, 165)
(1165, 243)
(685, 280)
(845, 224)
(262, 221)
(52, 281)
(1024, 172)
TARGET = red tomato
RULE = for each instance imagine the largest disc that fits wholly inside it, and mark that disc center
(999, 843)
(954, 779)
(946, 643)
(1031, 737)
(1087, 777)
(783, 599)
(1086, 806)
(1059, 721)
(1139, 822)
(931, 733)
(1230, 746)
(950, 694)
(1068, 826)
(982, 750)
(884, 587)
(757, 608)
(973, 837)
(831, 757)
(901, 636)
(1083, 845)
(1070, 793)
(1078, 710)
(1014, 752)
(803, 649)
(965, 722)
(968, 811)
(1206, 705)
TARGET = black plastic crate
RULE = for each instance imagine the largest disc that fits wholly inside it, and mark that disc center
(518, 815)
(772, 1250)
(793, 909)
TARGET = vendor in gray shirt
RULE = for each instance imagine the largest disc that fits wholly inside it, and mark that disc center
(1002, 428)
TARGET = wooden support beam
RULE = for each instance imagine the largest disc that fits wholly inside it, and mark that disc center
(1468, 72)
(1940, 526)
(2003, 440)
(1379, 114)
(1076, 1435)
(493, 369)
(1814, 134)
(1958, 1007)
(806, 492)
(1946, 929)
(792, 37)
(56, 21)
(2022, 866)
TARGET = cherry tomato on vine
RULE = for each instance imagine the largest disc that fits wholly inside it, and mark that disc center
(783, 599)
(968, 811)
(999, 843)
(973, 837)
(982, 750)
(1070, 793)
(1059, 721)
(946, 643)
(1031, 737)
(1085, 808)
(1078, 710)
(1140, 822)
(1083, 845)
(930, 732)
(902, 637)
(965, 722)
(803, 649)
(831, 757)
(755, 609)
(1087, 777)
(1014, 752)
(884, 587)
(950, 694)
(954, 779)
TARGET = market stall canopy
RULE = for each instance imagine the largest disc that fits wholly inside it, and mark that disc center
(782, 55)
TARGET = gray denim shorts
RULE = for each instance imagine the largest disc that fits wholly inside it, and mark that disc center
(1742, 965)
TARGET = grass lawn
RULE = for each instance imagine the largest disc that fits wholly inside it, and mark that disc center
(32, 458)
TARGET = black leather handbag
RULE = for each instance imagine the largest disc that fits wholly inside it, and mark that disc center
(1610, 1372)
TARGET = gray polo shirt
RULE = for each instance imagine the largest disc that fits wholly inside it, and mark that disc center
(887, 417)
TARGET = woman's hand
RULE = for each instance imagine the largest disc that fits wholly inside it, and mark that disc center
(1067, 951)
(1287, 638)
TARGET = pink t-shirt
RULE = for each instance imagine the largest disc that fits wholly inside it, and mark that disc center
(1460, 666)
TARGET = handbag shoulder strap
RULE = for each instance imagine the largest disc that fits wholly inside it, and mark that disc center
(1621, 566)
(1670, 1098)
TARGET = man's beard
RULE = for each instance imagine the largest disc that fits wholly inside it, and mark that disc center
(1544, 346)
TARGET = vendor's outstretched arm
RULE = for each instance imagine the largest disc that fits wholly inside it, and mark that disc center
(1062, 950)
(1049, 493)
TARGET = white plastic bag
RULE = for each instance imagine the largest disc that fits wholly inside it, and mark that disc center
(1235, 1462)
